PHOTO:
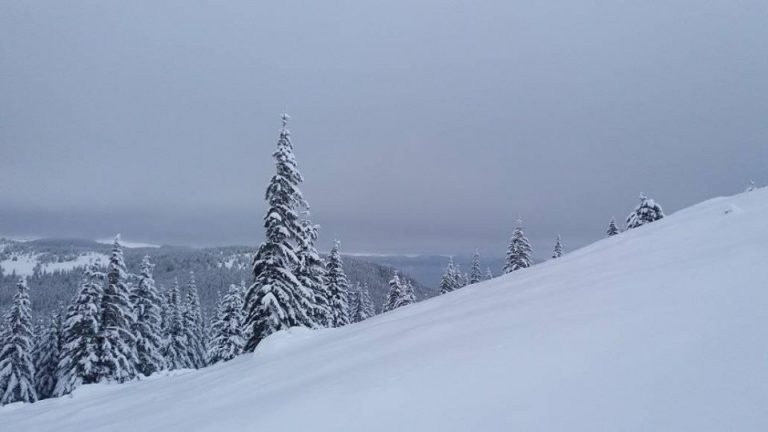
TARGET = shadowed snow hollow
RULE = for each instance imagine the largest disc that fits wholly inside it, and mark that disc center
(662, 328)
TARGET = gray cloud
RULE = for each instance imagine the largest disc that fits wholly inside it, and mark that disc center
(419, 126)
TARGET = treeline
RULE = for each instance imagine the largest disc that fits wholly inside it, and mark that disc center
(119, 327)
(519, 253)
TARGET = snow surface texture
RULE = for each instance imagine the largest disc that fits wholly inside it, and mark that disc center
(24, 264)
(661, 328)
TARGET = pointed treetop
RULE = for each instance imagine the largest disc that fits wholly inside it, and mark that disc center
(285, 117)
(146, 263)
(117, 239)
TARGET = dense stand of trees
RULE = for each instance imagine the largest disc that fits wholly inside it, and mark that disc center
(119, 326)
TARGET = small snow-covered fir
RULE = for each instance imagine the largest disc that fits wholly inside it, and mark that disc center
(646, 212)
(338, 288)
(80, 346)
(519, 250)
(116, 343)
(48, 354)
(226, 331)
(17, 370)
(147, 303)
(476, 274)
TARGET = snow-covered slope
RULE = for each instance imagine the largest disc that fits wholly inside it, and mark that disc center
(24, 264)
(663, 328)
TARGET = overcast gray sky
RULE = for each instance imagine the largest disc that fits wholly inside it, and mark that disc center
(420, 126)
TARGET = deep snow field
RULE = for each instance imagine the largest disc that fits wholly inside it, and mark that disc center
(662, 328)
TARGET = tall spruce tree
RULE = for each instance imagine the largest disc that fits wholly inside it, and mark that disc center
(449, 281)
(338, 288)
(116, 342)
(226, 331)
(193, 326)
(80, 346)
(48, 354)
(361, 307)
(408, 296)
(17, 370)
(519, 250)
(460, 279)
(277, 299)
(356, 307)
(476, 274)
(312, 275)
(164, 319)
(558, 251)
(147, 307)
(612, 228)
(368, 306)
(355, 302)
(646, 212)
(395, 293)
(175, 343)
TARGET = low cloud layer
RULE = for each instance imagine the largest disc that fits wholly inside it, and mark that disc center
(420, 127)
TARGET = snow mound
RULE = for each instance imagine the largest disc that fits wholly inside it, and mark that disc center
(281, 342)
(661, 328)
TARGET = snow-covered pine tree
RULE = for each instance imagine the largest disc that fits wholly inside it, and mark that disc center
(17, 370)
(476, 275)
(361, 307)
(612, 228)
(312, 275)
(80, 347)
(408, 296)
(395, 292)
(751, 186)
(193, 325)
(116, 342)
(277, 300)
(368, 307)
(48, 355)
(355, 301)
(210, 355)
(488, 273)
(164, 311)
(558, 252)
(448, 281)
(646, 212)
(356, 307)
(460, 278)
(338, 288)
(519, 250)
(147, 307)
(175, 346)
(226, 330)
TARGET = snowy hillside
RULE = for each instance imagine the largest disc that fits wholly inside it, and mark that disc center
(24, 264)
(662, 328)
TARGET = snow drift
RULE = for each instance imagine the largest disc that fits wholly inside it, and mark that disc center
(662, 328)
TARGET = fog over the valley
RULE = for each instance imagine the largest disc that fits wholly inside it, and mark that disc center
(420, 127)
